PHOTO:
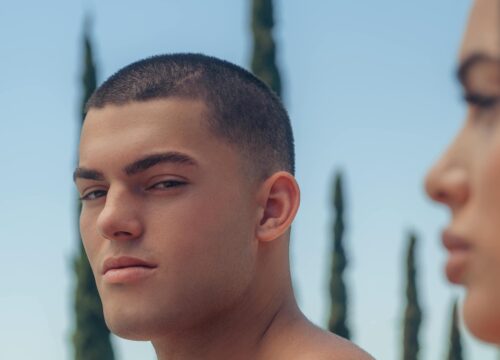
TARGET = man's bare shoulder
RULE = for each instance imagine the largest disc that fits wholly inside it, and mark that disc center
(320, 344)
(323, 345)
(309, 342)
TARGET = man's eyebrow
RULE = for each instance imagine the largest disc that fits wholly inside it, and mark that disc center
(471, 61)
(149, 161)
(84, 173)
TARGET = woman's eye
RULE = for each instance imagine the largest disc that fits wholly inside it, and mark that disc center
(167, 184)
(93, 195)
(482, 106)
(481, 101)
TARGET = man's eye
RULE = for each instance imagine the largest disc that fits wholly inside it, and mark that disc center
(92, 195)
(167, 184)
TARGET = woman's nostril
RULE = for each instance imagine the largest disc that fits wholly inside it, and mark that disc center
(441, 196)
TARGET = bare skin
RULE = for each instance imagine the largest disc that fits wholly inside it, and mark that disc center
(466, 179)
(214, 280)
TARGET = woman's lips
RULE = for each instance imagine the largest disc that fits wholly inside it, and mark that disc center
(126, 269)
(459, 252)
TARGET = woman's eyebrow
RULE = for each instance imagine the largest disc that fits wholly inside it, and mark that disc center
(471, 62)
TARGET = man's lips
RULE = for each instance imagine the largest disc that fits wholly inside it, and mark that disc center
(125, 269)
(459, 250)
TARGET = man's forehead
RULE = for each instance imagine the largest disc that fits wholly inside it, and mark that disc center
(119, 134)
(482, 33)
(135, 121)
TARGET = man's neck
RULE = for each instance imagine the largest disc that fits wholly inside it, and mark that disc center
(242, 333)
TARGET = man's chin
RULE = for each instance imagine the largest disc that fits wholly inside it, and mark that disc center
(129, 332)
(136, 327)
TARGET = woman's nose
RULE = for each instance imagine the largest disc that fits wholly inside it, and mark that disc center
(447, 184)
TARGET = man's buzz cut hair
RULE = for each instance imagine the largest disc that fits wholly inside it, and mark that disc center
(242, 109)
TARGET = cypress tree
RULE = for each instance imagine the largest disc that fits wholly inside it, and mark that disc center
(89, 75)
(338, 310)
(455, 346)
(91, 337)
(413, 313)
(264, 48)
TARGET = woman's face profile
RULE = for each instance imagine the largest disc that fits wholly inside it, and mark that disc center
(467, 177)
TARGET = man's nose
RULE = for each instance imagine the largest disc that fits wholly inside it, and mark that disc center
(119, 219)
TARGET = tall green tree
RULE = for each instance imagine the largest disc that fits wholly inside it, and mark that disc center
(413, 312)
(338, 308)
(91, 337)
(455, 345)
(264, 48)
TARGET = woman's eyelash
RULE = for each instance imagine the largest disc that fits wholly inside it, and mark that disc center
(482, 101)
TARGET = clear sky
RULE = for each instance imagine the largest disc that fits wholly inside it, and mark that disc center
(370, 89)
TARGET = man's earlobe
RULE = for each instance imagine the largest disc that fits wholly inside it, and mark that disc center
(279, 198)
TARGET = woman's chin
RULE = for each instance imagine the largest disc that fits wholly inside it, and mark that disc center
(481, 316)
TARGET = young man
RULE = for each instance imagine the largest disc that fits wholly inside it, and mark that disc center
(186, 176)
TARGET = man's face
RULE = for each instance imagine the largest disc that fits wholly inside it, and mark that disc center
(467, 177)
(159, 188)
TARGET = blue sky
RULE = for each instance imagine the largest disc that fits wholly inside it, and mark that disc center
(370, 89)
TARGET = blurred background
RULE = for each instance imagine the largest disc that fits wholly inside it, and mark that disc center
(371, 92)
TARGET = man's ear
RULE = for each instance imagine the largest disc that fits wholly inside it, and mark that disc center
(278, 199)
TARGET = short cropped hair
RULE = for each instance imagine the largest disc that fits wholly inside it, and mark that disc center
(241, 109)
